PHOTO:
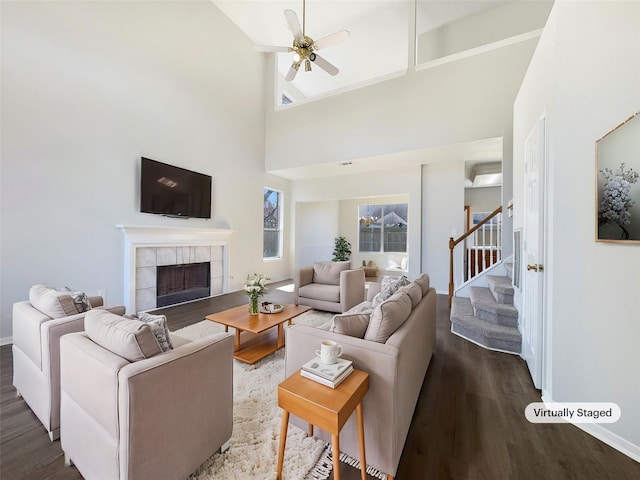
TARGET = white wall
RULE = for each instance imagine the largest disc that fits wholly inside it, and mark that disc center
(316, 227)
(405, 182)
(462, 101)
(485, 199)
(585, 77)
(90, 87)
(484, 28)
(442, 219)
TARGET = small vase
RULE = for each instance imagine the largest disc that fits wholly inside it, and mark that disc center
(253, 306)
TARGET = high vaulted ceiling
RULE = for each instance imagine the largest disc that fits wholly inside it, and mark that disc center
(381, 45)
(380, 34)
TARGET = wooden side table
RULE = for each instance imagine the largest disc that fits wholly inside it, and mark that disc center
(325, 407)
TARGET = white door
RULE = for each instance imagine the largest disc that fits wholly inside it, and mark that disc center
(533, 311)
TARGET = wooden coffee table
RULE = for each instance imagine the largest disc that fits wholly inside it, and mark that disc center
(260, 338)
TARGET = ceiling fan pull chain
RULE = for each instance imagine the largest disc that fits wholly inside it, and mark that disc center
(304, 16)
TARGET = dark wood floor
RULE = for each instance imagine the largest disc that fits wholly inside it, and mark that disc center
(469, 422)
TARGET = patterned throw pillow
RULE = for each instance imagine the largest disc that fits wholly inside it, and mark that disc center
(80, 299)
(158, 324)
(390, 285)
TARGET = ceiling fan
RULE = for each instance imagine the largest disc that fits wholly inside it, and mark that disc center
(304, 47)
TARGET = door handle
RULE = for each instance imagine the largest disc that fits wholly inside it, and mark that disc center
(536, 267)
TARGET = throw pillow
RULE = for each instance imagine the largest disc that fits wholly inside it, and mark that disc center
(352, 324)
(388, 317)
(158, 324)
(390, 285)
(423, 282)
(51, 302)
(414, 291)
(80, 299)
(129, 339)
(328, 273)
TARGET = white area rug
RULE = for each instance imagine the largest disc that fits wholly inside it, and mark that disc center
(253, 452)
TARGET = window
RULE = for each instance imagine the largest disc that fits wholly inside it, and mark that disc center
(383, 228)
(272, 232)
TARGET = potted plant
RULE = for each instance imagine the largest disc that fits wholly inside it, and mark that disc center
(342, 250)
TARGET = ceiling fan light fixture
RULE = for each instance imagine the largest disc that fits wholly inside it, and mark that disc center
(304, 46)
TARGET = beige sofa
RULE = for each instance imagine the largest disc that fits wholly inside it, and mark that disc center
(329, 286)
(395, 351)
(132, 411)
(38, 325)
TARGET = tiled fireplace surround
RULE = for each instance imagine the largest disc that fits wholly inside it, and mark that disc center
(147, 247)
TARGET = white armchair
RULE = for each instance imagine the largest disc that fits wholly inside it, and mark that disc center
(330, 286)
(130, 411)
(36, 349)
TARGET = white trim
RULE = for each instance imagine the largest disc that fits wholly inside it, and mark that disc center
(137, 236)
(599, 432)
(479, 50)
(6, 341)
(340, 90)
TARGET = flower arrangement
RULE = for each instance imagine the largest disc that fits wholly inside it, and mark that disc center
(255, 287)
(616, 198)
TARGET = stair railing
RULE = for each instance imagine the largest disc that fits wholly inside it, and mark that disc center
(483, 238)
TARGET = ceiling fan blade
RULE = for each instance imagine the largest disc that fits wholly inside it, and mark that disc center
(324, 64)
(292, 73)
(332, 39)
(269, 48)
(294, 24)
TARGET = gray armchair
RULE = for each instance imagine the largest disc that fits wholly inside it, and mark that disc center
(38, 325)
(330, 286)
(130, 411)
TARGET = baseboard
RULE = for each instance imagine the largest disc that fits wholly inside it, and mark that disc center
(607, 436)
(6, 340)
(615, 441)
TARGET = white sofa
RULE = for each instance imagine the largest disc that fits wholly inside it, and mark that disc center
(398, 339)
(38, 325)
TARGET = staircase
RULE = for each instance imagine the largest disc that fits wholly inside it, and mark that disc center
(488, 317)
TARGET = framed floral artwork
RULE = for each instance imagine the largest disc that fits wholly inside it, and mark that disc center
(618, 183)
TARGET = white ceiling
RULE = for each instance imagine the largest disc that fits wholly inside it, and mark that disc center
(379, 42)
(378, 47)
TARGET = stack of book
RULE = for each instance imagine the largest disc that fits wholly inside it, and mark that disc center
(330, 375)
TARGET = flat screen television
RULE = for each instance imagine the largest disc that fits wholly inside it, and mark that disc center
(173, 191)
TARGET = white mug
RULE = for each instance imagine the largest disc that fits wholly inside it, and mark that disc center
(329, 352)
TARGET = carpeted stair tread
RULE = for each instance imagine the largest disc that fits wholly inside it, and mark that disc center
(486, 307)
(501, 289)
(500, 284)
(489, 335)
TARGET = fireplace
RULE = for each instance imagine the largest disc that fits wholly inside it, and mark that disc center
(182, 283)
(148, 249)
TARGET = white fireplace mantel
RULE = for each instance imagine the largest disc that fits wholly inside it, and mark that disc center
(158, 235)
(140, 239)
